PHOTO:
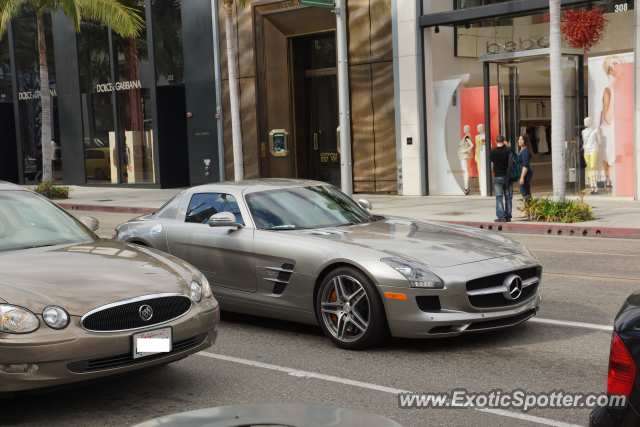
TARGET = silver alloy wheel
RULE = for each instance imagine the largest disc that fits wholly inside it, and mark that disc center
(345, 314)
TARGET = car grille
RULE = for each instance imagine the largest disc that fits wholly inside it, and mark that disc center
(498, 300)
(126, 316)
(284, 276)
(428, 303)
(498, 279)
(507, 321)
(287, 267)
(122, 360)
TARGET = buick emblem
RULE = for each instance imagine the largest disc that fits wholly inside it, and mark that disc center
(513, 286)
(146, 312)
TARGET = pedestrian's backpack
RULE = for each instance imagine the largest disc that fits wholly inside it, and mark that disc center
(514, 170)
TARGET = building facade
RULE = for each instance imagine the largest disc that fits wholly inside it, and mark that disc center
(486, 72)
(145, 111)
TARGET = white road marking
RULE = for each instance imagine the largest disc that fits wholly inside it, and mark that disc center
(573, 324)
(395, 391)
(531, 418)
(576, 252)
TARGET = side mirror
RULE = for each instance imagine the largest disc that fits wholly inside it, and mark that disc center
(224, 219)
(92, 223)
(365, 204)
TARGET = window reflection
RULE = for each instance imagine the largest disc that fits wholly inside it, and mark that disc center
(167, 31)
(137, 141)
(99, 138)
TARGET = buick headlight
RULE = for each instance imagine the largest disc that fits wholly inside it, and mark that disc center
(418, 276)
(55, 317)
(206, 288)
(196, 291)
(17, 320)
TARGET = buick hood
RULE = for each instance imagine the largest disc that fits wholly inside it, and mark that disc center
(429, 242)
(82, 277)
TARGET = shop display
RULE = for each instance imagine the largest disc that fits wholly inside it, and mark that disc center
(590, 145)
(464, 153)
(610, 82)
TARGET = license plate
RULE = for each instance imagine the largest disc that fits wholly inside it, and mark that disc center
(153, 342)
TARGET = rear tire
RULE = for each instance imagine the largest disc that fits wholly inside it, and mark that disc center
(350, 310)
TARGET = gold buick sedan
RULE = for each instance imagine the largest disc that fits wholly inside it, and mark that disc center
(75, 308)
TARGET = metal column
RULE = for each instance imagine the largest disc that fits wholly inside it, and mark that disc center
(487, 125)
(343, 98)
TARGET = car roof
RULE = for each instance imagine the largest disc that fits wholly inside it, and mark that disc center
(254, 185)
(9, 186)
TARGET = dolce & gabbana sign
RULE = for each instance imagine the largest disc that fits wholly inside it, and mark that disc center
(511, 46)
(108, 87)
(34, 95)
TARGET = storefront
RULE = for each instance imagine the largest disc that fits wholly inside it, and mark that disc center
(129, 112)
(492, 77)
(146, 112)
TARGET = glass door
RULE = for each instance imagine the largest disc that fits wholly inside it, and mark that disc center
(508, 93)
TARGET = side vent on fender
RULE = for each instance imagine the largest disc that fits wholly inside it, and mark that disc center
(281, 276)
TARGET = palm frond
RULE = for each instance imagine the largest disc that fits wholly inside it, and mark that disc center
(9, 10)
(123, 20)
(70, 8)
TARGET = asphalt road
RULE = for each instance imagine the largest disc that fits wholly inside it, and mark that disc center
(585, 280)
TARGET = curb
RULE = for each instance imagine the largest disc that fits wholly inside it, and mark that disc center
(102, 208)
(553, 229)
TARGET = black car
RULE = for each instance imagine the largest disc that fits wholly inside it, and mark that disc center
(622, 376)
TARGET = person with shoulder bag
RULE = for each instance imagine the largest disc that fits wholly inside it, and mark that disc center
(526, 173)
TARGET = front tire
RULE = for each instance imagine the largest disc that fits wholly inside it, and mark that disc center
(350, 310)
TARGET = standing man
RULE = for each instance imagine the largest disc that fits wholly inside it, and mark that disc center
(499, 156)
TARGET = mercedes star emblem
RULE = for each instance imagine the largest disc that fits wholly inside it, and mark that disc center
(146, 312)
(513, 286)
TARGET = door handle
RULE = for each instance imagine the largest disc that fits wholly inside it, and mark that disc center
(315, 141)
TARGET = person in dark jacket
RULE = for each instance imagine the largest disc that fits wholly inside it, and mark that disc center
(524, 159)
(499, 156)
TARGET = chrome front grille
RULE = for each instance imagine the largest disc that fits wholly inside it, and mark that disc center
(488, 291)
(126, 315)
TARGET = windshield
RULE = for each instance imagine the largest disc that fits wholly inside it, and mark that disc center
(27, 221)
(304, 207)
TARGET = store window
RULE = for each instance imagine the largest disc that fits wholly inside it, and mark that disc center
(167, 31)
(118, 141)
(29, 97)
(598, 84)
(6, 83)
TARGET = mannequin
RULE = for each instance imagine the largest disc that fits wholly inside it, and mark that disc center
(590, 145)
(481, 156)
(464, 153)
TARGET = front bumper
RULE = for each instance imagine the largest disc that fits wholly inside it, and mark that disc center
(58, 353)
(406, 320)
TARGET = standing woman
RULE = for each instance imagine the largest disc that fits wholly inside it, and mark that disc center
(524, 159)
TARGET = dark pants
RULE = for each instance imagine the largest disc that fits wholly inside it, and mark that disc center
(503, 188)
(525, 189)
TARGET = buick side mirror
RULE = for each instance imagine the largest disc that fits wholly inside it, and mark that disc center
(224, 219)
(91, 223)
(365, 204)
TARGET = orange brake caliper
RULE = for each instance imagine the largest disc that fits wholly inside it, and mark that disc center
(334, 298)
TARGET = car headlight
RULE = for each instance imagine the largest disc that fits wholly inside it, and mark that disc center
(196, 291)
(55, 317)
(418, 276)
(17, 320)
(206, 288)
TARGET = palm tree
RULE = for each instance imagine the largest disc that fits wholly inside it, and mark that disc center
(557, 101)
(123, 20)
(238, 165)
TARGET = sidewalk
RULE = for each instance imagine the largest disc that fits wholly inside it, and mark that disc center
(615, 218)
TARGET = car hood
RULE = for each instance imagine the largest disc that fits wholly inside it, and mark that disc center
(429, 242)
(85, 276)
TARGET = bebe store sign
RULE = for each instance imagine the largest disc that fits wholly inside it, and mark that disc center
(108, 87)
(511, 46)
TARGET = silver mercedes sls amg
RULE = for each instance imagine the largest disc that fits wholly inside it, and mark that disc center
(304, 251)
